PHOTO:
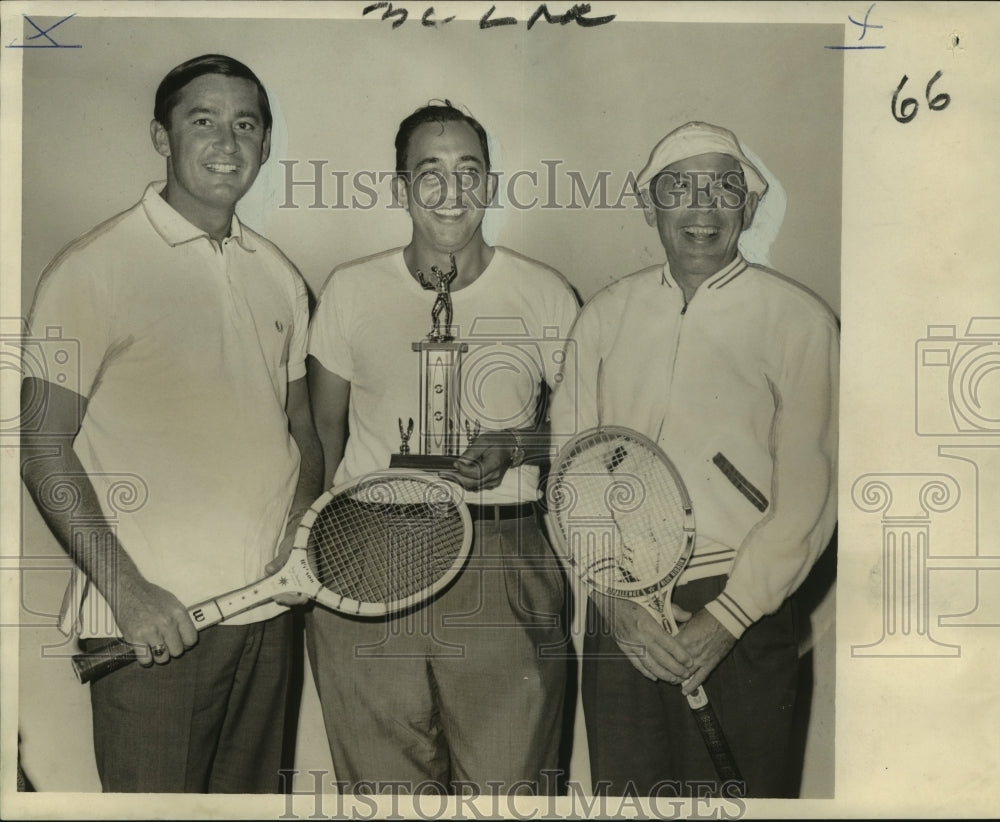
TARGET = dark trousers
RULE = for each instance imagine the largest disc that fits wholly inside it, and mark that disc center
(642, 736)
(210, 721)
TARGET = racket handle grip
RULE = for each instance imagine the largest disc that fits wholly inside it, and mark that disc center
(714, 738)
(91, 666)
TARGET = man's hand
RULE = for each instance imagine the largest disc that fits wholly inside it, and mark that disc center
(284, 550)
(650, 648)
(483, 464)
(151, 617)
(148, 616)
(708, 642)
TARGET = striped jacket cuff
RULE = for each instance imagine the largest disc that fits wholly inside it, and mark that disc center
(733, 616)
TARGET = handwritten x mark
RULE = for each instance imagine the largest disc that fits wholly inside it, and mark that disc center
(52, 44)
(865, 25)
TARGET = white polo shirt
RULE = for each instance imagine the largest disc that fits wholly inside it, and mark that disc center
(748, 369)
(185, 355)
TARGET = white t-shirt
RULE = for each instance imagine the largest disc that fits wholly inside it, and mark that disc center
(514, 318)
(185, 355)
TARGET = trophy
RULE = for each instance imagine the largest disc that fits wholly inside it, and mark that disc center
(439, 439)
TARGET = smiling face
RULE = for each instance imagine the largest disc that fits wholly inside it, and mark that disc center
(700, 207)
(446, 188)
(215, 144)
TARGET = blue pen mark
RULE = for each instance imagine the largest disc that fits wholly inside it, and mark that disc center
(865, 25)
(51, 44)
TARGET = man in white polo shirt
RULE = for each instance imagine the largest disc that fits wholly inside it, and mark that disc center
(732, 369)
(192, 394)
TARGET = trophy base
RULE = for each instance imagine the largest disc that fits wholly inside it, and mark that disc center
(423, 462)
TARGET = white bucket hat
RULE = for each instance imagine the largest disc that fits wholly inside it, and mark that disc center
(693, 139)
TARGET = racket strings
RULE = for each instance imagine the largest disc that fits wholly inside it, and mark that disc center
(385, 542)
(626, 519)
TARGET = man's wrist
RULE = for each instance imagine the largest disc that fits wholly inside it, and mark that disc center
(518, 454)
(725, 618)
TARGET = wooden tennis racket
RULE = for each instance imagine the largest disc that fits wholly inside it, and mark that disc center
(372, 546)
(621, 517)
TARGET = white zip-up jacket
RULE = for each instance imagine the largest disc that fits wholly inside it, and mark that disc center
(747, 369)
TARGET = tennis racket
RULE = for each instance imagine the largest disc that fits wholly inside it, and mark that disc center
(621, 517)
(372, 546)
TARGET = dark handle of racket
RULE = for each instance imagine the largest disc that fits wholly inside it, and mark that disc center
(714, 738)
(103, 660)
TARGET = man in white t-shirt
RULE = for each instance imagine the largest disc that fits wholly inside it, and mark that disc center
(185, 441)
(469, 689)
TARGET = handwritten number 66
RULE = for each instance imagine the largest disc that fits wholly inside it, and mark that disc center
(908, 108)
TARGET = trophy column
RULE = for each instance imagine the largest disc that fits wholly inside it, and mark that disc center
(439, 439)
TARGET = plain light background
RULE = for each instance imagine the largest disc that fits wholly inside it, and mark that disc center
(587, 100)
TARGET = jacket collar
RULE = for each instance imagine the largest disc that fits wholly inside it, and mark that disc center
(720, 279)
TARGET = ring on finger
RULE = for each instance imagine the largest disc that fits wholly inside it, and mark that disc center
(158, 650)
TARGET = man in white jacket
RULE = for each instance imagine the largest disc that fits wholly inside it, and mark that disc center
(731, 366)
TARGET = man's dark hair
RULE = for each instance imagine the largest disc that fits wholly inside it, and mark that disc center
(170, 86)
(443, 112)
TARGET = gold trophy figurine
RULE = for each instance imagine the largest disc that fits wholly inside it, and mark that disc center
(442, 305)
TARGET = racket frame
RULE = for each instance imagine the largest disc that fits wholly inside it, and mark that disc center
(346, 605)
(644, 592)
(296, 576)
(621, 589)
